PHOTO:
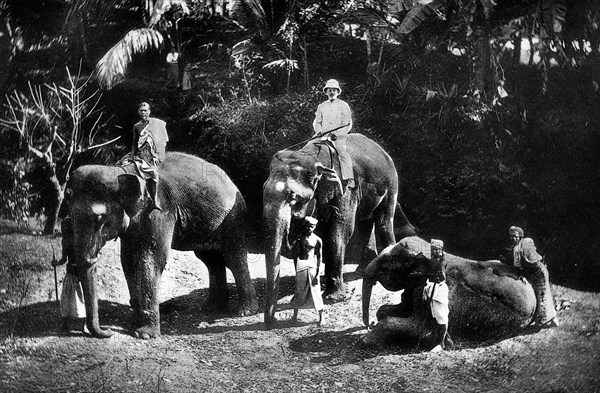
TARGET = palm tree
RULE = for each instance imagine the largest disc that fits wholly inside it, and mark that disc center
(153, 28)
(476, 21)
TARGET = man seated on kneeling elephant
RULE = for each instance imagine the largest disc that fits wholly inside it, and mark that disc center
(523, 255)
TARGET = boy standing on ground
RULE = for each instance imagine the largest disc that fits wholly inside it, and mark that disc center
(72, 306)
(307, 259)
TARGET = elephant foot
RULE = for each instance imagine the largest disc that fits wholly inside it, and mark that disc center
(102, 333)
(334, 297)
(147, 332)
(248, 309)
(270, 321)
(334, 291)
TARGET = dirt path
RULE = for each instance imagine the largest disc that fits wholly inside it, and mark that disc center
(211, 352)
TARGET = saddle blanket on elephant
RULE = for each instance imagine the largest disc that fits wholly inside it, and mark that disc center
(71, 298)
(332, 154)
(439, 303)
(539, 278)
(307, 293)
(144, 164)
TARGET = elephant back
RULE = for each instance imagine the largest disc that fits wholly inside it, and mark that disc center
(482, 304)
(201, 192)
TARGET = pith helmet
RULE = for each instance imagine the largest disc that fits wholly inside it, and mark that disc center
(332, 83)
(516, 230)
(437, 244)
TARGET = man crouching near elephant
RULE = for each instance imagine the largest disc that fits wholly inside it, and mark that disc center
(436, 293)
(522, 254)
(148, 150)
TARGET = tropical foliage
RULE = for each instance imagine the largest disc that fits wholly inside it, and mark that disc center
(50, 124)
(489, 107)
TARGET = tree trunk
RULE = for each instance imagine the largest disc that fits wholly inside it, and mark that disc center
(304, 50)
(56, 196)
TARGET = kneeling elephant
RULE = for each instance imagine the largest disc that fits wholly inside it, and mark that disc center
(485, 300)
(202, 211)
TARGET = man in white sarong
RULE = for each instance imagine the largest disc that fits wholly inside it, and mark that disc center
(307, 259)
(72, 306)
(436, 294)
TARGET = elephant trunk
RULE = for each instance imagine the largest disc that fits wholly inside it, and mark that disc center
(87, 275)
(367, 288)
(276, 223)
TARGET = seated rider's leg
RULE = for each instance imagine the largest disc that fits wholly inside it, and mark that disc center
(345, 161)
(153, 190)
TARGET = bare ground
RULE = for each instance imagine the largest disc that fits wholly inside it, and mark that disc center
(217, 352)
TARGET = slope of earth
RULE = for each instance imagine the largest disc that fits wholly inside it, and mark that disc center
(215, 352)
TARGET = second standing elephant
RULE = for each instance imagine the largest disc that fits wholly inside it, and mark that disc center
(302, 183)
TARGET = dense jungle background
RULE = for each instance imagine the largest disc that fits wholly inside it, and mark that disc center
(490, 111)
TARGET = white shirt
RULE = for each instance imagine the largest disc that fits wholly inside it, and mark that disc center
(332, 114)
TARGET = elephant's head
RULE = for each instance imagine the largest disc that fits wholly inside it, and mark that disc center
(295, 183)
(132, 194)
(97, 216)
(396, 268)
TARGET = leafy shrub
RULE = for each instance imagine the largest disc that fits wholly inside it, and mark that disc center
(14, 190)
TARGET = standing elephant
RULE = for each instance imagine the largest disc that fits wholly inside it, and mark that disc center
(202, 210)
(303, 183)
(485, 298)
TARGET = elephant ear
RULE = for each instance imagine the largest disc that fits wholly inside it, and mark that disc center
(131, 192)
(329, 182)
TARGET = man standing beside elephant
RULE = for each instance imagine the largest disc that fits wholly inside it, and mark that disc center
(435, 293)
(333, 121)
(522, 254)
(148, 149)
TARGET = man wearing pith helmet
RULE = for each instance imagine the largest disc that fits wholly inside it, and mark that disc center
(333, 121)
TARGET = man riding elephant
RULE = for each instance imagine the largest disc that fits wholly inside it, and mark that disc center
(333, 121)
(148, 150)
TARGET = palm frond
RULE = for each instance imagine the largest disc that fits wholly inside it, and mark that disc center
(162, 6)
(97, 9)
(419, 13)
(251, 15)
(111, 68)
(553, 13)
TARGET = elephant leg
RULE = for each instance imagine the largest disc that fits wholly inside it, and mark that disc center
(334, 250)
(236, 261)
(384, 223)
(150, 254)
(235, 257)
(128, 265)
(218, 293)
(361, 240)
(148, 272)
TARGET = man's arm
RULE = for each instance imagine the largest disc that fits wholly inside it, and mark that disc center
(346, 118)
(134, 142)
(318, 248)
(318, 122)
